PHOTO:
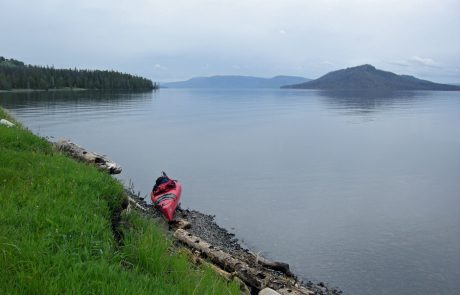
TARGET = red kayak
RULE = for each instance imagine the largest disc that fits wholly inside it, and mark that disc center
(166, 195)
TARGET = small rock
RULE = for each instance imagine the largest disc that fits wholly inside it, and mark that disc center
(268, 291)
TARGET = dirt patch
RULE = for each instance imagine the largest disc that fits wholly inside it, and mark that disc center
(115, 221)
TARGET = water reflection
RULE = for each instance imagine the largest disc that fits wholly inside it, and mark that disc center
(68, 113)
(71, 98)
(367, 102)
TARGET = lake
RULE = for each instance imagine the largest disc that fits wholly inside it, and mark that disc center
(360, 190)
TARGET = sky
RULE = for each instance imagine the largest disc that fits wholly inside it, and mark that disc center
(173, 40)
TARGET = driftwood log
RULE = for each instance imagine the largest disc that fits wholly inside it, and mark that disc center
(77, 152)
(253, 277)
(275, 265)
(250, 276)
(226, 275)
(132, 202)
(6, 123)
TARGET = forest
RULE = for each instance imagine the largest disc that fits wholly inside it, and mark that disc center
(14, 74)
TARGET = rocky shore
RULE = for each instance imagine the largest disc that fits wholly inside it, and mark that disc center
(204, 226)
(209, 243)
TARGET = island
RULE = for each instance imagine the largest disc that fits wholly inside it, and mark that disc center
(229, 81)
(367, 77)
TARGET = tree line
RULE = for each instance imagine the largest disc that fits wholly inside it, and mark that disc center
(15, 74)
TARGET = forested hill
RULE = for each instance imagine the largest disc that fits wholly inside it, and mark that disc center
(15, 74)
(367, 77)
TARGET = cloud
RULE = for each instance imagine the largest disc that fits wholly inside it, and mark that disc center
(160, 67)
(416, 61)
(423, 61)
(280, 37)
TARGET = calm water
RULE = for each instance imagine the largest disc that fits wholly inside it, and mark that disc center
(358, 190)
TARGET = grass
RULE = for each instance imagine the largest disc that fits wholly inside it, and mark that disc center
(56, 236)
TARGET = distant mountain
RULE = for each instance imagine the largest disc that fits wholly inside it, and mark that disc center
(236, 82)
(367, 77)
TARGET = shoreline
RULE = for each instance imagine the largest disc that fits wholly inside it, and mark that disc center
(26, 90)
(205, 227)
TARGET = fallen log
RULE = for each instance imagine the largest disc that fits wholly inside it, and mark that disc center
(226, 275)
(6, 123)
(253, 277)
(181, 223)
(268, 291)
(294, 291)
(136, 204)
(275, 265)
(77, 152)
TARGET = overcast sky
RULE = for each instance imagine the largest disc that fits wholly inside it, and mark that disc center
(177, 39)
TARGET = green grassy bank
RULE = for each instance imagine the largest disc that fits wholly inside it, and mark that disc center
(56, 235)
